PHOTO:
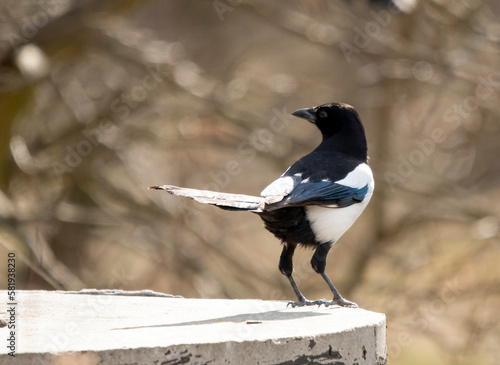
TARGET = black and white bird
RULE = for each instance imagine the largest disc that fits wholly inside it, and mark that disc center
(316, 200)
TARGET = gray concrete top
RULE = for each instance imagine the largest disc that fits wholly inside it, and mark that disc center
(60, 322)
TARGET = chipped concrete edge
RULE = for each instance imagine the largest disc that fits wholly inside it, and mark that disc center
(361, 346)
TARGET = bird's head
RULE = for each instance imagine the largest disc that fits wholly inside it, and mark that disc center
(339, 124)
(330, 118)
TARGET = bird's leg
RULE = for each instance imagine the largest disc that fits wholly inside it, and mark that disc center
(299, 295)
(337, 298)
(318, 263)
(286, 268)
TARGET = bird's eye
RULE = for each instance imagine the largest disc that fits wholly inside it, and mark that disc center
(322, 114)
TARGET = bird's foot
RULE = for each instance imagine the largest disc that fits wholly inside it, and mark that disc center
(304, 302)
(340, 302)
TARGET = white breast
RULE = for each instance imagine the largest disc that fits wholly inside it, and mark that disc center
(330, 223)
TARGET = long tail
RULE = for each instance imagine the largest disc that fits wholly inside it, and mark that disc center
(222, 200)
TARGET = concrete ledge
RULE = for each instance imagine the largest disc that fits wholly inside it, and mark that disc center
(151, 328)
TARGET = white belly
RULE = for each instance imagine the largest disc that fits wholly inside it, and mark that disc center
(329, 224)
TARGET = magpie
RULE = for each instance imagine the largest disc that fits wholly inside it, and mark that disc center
(316, 200)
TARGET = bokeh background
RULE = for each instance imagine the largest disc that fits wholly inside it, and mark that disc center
(100, 99)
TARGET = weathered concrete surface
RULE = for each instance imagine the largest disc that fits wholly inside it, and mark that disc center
(71, 328)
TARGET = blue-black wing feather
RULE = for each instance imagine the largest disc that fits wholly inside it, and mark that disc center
(322, 193)
(326, 192)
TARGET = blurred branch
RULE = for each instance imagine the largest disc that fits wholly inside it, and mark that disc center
(29, 263)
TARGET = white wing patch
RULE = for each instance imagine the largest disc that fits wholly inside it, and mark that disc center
(279, 188)
(358, 178)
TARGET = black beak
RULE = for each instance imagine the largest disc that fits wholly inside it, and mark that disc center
(305, 113)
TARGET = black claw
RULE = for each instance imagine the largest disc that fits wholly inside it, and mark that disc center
(322, 301)
(305, 302)
(301, 303)
(342, 303)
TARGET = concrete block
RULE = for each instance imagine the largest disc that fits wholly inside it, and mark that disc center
(116, 327)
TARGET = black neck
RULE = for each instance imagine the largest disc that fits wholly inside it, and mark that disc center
(350, 140)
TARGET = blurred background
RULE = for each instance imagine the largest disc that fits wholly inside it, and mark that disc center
(100, 99)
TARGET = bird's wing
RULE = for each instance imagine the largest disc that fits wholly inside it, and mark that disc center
(295, 191)
(325, 193)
